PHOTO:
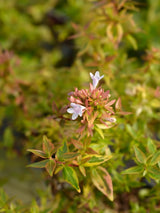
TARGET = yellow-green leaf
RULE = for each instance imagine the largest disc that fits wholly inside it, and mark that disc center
(155, 159)
(140, 156)
(132, 41)
(154, 173)
(155, 103)
(70, 176)
(134, 170)
(102, 181)
(100, 132)
(82, 170)
(102, 126)
(151, 146)
(94, 160)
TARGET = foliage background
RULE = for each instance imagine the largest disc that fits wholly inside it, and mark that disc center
(55, 45)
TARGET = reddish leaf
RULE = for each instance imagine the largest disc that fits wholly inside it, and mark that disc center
(77, 144)
(90, 151)
(105, 94)
(110, 103)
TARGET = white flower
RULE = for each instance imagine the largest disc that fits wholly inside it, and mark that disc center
(76, 109)
(96, 78)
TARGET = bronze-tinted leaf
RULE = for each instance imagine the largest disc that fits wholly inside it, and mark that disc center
(50, 166)
(48, 147)
(38, 153)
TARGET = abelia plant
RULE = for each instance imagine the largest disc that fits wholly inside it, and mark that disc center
(121, 38)
(75, 155)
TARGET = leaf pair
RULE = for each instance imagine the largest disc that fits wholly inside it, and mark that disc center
(49, 163)
(147, 163)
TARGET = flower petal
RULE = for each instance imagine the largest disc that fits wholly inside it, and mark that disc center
(74, 105)
(74, 116)
(80, 113)
(82, 107)
(95, 82)
(97, 74)
(91, 75)
(101, 77)
(96, 78)
(70, 110)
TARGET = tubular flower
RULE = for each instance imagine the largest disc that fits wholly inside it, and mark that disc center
(96, 78)
(94, 106)
(75, 110)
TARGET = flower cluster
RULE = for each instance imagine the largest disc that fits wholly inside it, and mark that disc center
(93, 105)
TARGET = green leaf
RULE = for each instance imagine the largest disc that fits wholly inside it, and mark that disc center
(34, 208)
(132, 41)
(155, 103)
(151, 146)
(58, 169)
(155, 159)
(40, 164)
(102, 126)
(130, 131)
(61, 151)
(38, 153)
(94, 160)
(100, 132)
(133, 170)
(154, 173)
(50, 166)
(70, 155)
(140, 156)
(102, 181)
(70, 176)
(3, 197)
(48, 147)
(8, 139)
